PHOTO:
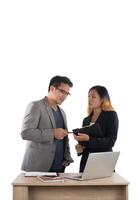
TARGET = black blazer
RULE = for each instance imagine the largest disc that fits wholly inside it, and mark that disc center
(108, 122)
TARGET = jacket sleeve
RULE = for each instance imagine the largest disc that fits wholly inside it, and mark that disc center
(30, 130)
(67, 154)
(110, 135)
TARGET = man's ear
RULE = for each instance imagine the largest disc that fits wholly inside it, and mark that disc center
(52, 88)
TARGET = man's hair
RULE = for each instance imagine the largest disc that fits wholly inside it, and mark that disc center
(57, 80)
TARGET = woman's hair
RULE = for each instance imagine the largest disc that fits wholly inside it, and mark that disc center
(104, 96)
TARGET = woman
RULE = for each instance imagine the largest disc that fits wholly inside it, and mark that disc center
(100, 112)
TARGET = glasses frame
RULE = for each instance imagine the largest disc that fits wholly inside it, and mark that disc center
(63, 91)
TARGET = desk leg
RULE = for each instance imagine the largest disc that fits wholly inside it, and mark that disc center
(20, 192)
(126, 193)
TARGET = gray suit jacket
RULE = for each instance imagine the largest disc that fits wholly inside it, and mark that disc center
(38, 128)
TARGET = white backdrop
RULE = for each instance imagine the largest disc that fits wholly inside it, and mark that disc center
(91, 42)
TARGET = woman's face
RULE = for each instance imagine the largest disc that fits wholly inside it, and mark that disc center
(94, 99)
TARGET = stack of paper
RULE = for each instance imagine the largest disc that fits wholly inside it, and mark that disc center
(51, 174)
(51, 179)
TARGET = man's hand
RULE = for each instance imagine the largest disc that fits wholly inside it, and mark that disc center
(60, 133)
(65, 163)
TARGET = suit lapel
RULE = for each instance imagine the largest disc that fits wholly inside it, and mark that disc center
(49, 112)
(51, 116)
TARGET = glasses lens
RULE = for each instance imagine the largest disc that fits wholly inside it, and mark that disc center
(63, 91)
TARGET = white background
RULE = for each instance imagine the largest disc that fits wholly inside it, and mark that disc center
(91, 42)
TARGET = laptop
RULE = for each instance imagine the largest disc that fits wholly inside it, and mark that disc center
(99, 165)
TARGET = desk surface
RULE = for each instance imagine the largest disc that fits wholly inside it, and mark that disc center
(116, 179)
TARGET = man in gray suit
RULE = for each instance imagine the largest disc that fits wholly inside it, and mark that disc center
(45, 129)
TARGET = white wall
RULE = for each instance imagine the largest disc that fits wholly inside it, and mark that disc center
(92, 42)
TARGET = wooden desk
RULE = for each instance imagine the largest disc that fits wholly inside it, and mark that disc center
(31, 188)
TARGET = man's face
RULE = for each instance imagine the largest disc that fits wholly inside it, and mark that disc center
(60, 93)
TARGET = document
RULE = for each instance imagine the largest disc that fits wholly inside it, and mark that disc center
(35, 173)
(49, 179)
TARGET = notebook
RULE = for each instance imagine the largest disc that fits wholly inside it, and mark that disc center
(99, 165)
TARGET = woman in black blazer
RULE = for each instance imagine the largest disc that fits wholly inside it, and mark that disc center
(101, 113)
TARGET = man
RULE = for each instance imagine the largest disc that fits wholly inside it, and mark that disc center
(45, 128)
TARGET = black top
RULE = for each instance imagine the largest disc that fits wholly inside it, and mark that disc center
(108, 123)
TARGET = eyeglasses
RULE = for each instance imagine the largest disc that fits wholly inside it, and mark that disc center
(63, 91)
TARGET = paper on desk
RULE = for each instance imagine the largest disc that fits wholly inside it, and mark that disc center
(50, 179)
(40, 173)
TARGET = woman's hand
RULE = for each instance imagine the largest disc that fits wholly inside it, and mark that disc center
(81, 137)
(79, 148)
